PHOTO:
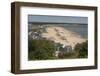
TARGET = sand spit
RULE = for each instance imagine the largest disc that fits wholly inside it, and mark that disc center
(63, 36)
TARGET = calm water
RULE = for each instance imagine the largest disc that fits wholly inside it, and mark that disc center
(82, 30)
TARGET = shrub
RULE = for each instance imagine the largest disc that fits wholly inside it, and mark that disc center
(82, 49)
(41, 50)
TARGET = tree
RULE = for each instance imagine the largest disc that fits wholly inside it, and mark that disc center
(82, 49)
(41, 50)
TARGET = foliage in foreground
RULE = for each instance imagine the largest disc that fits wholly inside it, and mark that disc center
(45, 49)
(41, 50)
(82, 49)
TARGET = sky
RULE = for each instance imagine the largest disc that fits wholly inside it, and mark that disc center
(57, 19)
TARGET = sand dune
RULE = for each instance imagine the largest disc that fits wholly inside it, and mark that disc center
(63, 36)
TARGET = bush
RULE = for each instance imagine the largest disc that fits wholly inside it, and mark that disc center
(82, 49)
(41, 50)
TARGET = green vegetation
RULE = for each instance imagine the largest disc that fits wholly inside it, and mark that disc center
(41, 50)
(45, 49)
(82, 50)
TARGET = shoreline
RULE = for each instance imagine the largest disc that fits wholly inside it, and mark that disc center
(63, 36)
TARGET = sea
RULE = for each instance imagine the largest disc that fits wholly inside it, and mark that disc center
(81, 29)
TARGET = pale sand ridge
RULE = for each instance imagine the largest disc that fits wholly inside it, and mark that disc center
(63, 36)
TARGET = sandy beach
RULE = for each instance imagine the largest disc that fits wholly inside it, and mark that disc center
(63, 36)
